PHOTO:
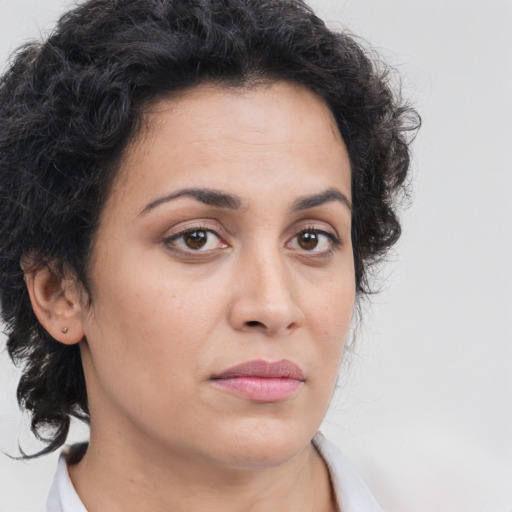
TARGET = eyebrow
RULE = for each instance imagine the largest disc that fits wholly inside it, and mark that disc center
(232, 202)
(203, 195)
(329, 195)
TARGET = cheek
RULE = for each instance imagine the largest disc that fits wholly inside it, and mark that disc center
(330, 320)
(153, 315)
(140, 343)
(147, 323)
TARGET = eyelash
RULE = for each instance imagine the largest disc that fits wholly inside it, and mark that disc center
(170, 242)
(334, 241)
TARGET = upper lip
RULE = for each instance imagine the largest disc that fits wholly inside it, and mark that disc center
(263, 369)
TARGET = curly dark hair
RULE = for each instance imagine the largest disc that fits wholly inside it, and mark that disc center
(70, 105)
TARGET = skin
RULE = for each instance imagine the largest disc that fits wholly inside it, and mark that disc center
(166, 317)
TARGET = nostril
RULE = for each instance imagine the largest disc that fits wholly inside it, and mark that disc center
(253, 323)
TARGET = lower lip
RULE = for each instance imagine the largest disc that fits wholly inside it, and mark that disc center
(259, 389)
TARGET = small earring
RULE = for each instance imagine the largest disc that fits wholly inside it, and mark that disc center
(64, 330)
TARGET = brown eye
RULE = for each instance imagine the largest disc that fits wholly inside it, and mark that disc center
(307, 240)
(196, 239)
(315, 241)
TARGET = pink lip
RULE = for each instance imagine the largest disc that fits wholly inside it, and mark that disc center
(261, 381)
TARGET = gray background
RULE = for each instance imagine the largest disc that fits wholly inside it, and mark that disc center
(424, 408)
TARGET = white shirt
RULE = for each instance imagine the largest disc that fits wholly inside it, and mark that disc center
(352, 494)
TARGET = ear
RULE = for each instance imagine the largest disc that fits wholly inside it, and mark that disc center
(57, 304)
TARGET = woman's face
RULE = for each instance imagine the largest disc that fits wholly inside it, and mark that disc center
(225, 242)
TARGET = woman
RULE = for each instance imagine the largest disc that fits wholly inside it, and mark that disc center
(193, 193)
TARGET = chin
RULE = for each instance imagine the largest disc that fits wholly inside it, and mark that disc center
(264, 445)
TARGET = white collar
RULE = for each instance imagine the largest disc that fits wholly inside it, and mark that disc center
(63, 497)
(352, 494)
(351, 491)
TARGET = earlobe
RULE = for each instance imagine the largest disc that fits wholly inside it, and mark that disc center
(56, 302)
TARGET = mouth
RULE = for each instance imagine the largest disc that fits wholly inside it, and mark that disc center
(261, 381)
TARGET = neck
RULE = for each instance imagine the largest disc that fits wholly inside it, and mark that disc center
(123, 477)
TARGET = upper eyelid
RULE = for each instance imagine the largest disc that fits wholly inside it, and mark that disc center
(187, 227)
(334, 238)
(185, 231)
(172, 245)
(218, 229)
(190, 230)
(319, 225)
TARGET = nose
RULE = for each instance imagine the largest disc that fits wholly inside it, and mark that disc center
(265, 296)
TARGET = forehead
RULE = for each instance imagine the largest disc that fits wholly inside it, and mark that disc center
(273, 135)
(256, 108)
